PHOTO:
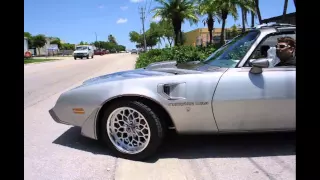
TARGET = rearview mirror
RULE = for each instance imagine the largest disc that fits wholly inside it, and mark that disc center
(258, 64)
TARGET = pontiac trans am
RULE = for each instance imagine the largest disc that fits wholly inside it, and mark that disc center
(230, 91)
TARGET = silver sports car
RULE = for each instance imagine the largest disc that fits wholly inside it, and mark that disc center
(233, 90)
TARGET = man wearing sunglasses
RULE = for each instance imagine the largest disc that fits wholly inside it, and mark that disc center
(285, 51)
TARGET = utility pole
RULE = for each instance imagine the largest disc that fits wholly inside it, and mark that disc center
(142, 13)
(96, 38)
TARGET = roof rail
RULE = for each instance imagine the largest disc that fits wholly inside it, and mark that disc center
(276, 25)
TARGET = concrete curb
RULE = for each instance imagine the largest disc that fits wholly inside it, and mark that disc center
(44, 62)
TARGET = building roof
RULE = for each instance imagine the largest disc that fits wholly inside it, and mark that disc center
(215, 30)
(276, 18)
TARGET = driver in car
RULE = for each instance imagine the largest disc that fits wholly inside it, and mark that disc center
(286, 51)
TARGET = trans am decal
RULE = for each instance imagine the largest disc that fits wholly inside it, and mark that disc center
(189, 104)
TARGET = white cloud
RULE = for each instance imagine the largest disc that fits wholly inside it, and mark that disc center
(122, 20)
(156, 19)
(136, 1)
(101, 6)
(123, 8)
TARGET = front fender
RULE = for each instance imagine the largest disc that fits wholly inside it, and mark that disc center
(92, 98)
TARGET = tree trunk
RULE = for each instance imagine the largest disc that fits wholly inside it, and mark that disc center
(222, 32)
(258, 11)
(176, 36)
(284, 10)
(181, 40)
(170, 42)
(210, 26)
(177, 29)
(210, 37)
(252, 19)
(224, 18)
(243, 15)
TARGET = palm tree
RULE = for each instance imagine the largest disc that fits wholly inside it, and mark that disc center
(245, 9)
(227, 7)
(209, 8)
(252, 18)
(256, 4)
(244, 19)
(112, 39)
(177, 11)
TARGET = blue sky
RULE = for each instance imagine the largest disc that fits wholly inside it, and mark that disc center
(78, 20)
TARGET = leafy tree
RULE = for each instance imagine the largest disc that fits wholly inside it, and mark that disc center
(232, 32)
(167, 32)
(39, 41)
(30, 38)
(177, 11)
(56, 41)
(67, 46)
(120, 48)
(153, 34)
(27, 35)
(135, 37)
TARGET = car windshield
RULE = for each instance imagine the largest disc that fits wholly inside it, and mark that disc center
(81, 48)
(231, 53)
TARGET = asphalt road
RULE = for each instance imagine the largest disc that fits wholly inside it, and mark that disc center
(55, 151)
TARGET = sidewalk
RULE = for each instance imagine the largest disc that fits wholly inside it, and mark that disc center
(53, 57)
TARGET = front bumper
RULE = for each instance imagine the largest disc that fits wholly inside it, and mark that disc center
(80, 55)
(56, 118)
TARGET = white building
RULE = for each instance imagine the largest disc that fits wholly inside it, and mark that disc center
(25, 45)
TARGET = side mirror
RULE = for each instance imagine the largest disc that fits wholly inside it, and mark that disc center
(258, 64)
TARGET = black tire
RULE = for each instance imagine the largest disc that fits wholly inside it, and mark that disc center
(88, 57)
(157, 130)
(81, 57)
(75, 58)
(92, 57)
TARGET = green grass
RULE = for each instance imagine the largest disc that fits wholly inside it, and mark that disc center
(27, 61)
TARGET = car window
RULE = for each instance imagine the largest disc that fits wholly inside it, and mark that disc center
(81, 48)
(231, 53)
(266, 49)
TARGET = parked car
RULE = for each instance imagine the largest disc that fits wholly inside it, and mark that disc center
(83, 51)
(134, 51)
(231, 91)
(97, 52)
(113, 51)
(104, 51)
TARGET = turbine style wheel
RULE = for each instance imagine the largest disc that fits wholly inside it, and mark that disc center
(131, 130)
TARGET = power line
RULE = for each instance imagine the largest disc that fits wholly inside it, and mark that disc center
(142, 13)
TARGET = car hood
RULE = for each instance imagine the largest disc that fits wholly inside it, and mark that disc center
(169, 68)
(131, 74)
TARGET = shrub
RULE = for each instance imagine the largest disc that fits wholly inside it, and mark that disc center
(177, 53)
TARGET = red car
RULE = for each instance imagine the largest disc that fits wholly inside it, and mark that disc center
(98, 52)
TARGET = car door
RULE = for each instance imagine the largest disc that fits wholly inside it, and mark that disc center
(256, 102)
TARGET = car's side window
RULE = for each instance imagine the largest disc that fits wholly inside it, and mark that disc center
(267, 48)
